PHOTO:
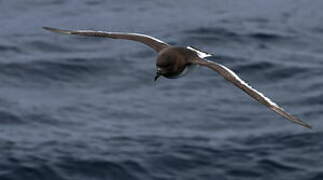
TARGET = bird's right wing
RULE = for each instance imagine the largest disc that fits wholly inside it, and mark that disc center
(152, 42)
(235, 79)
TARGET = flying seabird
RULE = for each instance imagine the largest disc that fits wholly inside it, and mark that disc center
(173, 62)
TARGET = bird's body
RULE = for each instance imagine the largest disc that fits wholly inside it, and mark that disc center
(173, 62)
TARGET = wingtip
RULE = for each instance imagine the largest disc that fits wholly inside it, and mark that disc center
(46, 27)
(302, 123)
(290, 117)
(298, 121)
(308, 126)
(49, 28)
(56, 30)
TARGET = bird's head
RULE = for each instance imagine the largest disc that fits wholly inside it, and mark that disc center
(167, 66)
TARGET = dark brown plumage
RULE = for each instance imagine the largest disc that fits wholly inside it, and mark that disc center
(173, 62)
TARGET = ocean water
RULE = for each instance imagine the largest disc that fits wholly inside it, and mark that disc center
(80, 108)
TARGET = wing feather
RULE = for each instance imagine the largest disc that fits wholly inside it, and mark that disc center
(152, 42)
(237, 81)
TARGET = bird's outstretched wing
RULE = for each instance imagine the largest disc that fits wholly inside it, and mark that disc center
(234, 78)
(152, 42)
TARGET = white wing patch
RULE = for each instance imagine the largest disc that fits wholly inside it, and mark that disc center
(200, 53)
(144, 35)
(247, 85)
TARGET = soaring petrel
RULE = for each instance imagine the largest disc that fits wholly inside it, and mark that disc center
(173, 62)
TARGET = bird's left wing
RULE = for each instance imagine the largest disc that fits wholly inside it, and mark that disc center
(152, 42)
(235, 79)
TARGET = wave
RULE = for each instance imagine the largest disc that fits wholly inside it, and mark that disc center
(67, 168)
(209, 34)
(271, 70)
(40, 45)
(10, 48)
(166, 158)
(48, 70)
(282, 72)
(9, 118)
(256, 66)
(313, 99)
(272, 165)
(285, 140)
(100, 169)
(32, 172)
(267, 36)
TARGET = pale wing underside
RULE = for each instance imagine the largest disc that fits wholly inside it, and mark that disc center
(152, 42)
(200, 53)
(234, 78)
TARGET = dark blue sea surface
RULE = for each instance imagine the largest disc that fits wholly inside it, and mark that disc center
(80, 108)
